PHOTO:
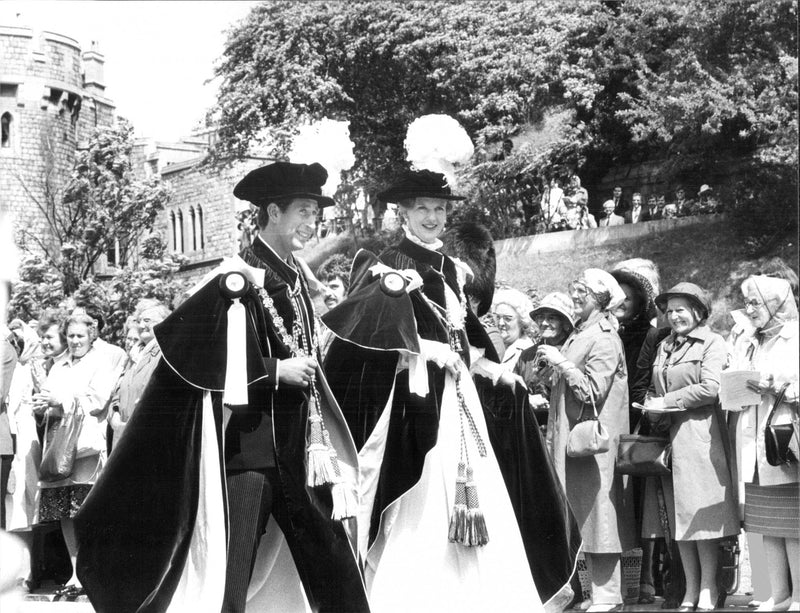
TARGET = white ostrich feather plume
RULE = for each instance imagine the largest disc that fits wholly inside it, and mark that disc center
(437, 143)
(328, 142)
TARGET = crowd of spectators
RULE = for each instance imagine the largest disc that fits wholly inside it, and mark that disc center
(612, 341)
(59, 371)
(566, 208)
(617, 342)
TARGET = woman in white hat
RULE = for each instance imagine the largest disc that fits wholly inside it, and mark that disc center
(590, 374)
(553, 317)
(416, 416)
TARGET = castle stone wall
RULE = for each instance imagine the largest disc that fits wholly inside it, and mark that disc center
(196, 188)
(52, 115)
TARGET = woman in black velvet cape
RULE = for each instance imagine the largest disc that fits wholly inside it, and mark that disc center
(377, 329)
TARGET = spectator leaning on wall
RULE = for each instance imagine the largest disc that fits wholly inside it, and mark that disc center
(635, 214)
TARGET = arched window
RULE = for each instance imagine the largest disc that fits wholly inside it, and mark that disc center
(174, 228)
(193, 224)
(114, 254)
(200, 227)
(180, 232)
(6, 124)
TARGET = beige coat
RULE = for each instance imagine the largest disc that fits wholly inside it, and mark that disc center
(597, 496)
(776, 356)
(687, 376)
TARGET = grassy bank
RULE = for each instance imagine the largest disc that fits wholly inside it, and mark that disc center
(708, 255)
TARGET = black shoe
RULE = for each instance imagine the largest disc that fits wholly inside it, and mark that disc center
(68, 593)
(77, 590)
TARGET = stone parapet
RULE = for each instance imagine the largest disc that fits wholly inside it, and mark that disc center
(575, 240)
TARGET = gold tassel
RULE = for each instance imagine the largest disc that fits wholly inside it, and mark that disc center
(477, 534)
(458, 519)
(344, 501)
(320, 469)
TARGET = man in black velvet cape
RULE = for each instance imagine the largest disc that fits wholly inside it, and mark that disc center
(374, 326)
(137, 530)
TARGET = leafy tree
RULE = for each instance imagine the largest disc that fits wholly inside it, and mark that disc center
(695, 83)
(103, 202)
(40, 287)
(703, 77)
(155, 277)
(383, 64)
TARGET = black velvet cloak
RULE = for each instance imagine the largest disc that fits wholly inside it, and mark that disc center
(361, 368)
(135, 527)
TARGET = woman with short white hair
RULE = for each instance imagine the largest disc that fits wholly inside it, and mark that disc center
(511, 313)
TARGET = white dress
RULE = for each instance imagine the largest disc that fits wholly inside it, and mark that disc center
(411, 565)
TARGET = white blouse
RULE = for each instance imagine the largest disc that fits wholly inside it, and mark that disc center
(776, 356)
(85, 385)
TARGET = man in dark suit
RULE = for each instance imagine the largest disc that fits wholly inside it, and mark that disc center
(651, 212)
(619, 204)
(635, 214)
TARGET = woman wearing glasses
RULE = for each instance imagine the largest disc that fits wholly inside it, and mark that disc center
(511, 312)
(772, 502)
(590, 374)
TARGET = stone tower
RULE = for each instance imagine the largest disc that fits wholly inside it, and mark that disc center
(52, 95)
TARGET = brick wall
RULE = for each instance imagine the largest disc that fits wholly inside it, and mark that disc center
(196, 188)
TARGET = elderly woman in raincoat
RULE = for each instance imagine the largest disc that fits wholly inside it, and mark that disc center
(590, 374)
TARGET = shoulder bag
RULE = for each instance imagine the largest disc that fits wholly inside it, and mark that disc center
(588, 436)
(59, 454)
(778, 437)
(643, 456)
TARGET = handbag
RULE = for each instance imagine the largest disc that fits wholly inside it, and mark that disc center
(59, 454)
(643, 456)
(778, 437)
(588, 436)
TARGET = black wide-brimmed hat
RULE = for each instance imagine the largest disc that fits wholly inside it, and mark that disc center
(695, 294)
(284, 180)
(419, 184)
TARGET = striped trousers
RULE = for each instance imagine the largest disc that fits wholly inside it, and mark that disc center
(250, 503)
